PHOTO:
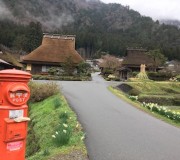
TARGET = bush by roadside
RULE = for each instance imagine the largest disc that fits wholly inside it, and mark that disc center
(161, 99)
(62, 78)
(41, 91)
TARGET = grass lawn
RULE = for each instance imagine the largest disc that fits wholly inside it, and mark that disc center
(47, 119)
(150, 89)
(164, 93)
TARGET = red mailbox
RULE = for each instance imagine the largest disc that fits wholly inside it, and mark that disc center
(14, 94)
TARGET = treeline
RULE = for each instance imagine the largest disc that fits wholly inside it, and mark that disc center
(24, 38)
(99, 29)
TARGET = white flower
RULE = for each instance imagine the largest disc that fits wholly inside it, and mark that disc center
(82, 138)
(64, 131)
(77, 125)
(56, 132)
(65, 125)
(53, 136)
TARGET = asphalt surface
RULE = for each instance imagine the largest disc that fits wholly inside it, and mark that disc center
(117, 131)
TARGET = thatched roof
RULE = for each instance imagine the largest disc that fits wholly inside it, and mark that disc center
(8, 57)
(136, 57)
(54, 49)
(4, 62)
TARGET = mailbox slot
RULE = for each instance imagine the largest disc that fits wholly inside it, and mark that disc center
(18, 94)
(15, 131)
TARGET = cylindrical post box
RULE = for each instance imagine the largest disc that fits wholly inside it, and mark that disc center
(14, 94)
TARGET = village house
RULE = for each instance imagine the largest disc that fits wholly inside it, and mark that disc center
(4, 65)
(133, 61)
(173, 67)
(8, 60)
(54, 51)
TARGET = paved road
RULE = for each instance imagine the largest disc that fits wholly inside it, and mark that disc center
(116, 130)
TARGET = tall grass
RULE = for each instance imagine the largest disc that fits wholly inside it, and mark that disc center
(49, 120)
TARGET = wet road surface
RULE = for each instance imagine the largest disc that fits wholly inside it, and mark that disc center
(117, 131)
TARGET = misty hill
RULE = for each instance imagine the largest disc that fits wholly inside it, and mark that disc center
(56, 14)
(170, 22)
(99, 27)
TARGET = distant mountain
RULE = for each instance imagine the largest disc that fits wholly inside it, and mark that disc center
(171, 22)
(99, 27)
(58, 13)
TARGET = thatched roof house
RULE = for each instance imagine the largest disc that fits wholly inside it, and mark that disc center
(133, 61)
(136, 57)
(9, 58)
(4, 65)
(54, 50)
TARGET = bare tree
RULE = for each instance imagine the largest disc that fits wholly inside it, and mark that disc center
(110, 64)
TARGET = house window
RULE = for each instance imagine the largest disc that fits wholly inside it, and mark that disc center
(44, 68)
(28, 67)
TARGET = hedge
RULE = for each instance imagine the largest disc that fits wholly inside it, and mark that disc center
(160, 99)
(159, 76)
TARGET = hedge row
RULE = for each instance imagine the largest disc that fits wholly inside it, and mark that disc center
(62, 78)
(160, 76)
(161, 100)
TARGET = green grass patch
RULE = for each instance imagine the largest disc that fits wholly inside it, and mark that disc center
(163, 93)
(53, 129)
(139, 106)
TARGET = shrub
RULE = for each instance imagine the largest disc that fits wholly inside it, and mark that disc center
(63, 78)
(41, 91)
(161, 100)
(57, 103)
(84, 68)
(160, 76)
(64, 117)
(52, 71)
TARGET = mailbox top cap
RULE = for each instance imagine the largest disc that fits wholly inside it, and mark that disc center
(14, 75)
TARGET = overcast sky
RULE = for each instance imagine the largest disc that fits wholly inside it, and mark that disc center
(157, 9)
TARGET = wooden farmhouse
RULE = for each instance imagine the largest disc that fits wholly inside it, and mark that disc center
(173, 67)
(4, 65)
(8, 60)
(54, 51)
(133, 61)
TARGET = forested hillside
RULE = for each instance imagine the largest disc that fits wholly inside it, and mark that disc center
(98, 27)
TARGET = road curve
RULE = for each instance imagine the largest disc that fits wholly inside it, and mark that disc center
(117, 131)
